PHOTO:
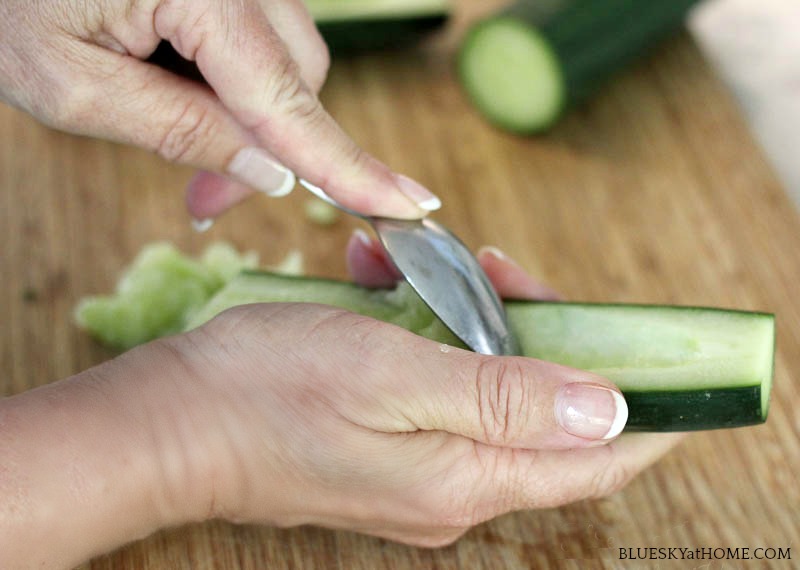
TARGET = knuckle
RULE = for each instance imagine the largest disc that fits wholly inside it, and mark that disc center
(184, 25)
(231, 317)
(319, 66)
(188, 133)
(285, 83)
(356, 156)
(250, 321)
(503, 399)
(72, 97)
(301, 104)
(289, 95)
(358, 332)
(353, 159)
(67, 109)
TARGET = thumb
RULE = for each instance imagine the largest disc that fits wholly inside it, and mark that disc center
(509, 401)
(256, 79)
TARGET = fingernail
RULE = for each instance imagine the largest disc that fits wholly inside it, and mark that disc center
(591, 411)
(201, 226)
(256, 168)
(497, 253)
(418, 194)
(362, 236)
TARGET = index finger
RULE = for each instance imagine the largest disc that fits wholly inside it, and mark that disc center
(254, 75)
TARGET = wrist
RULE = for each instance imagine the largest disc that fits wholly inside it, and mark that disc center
(157, 394)
(93, 462)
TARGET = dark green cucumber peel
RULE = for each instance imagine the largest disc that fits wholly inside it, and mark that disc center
(680, 368)
(690, 410)
(359, 25)
(523, 67)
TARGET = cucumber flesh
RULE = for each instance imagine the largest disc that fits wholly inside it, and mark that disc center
(156, 292)
(680, 368)
(162, 289)
(512, 75)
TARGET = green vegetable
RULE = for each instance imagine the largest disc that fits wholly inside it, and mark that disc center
(158, 291)
(355, 25)
(524, 66)
(680, 368)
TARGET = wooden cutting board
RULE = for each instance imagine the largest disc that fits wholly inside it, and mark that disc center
(655, 192)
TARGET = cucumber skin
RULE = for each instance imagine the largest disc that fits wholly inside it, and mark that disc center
(592, 40)
(350, 37)
(349, 27)
(624, 29)
(652, 411)
(693, 410)
(343, 37)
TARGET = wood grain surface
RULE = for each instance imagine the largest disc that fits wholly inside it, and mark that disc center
(655, 192)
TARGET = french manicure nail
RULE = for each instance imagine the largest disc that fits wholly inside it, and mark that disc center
(495, 251)
(418, 194)
(256, 168)
(201, 226)
(591, 411)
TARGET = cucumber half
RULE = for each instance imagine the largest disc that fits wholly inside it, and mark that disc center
(357, 25)
(524, 66)
(680, 368)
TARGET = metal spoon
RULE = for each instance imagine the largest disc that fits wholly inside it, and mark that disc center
(446, 276)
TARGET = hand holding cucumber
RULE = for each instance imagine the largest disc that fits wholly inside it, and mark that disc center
(79, 66)
(367, 427)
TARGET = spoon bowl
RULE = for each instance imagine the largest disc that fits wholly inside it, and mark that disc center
(445, 274)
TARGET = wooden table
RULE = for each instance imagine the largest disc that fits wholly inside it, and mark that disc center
(655, 192)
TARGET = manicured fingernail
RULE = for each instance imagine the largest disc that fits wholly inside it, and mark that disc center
(362, 236)
(256, 168)
(418, 194)
(591, 411)
(497, 253)
(201, 226)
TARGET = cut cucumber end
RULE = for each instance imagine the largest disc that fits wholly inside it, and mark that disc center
(721, 359)
(512, 75)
